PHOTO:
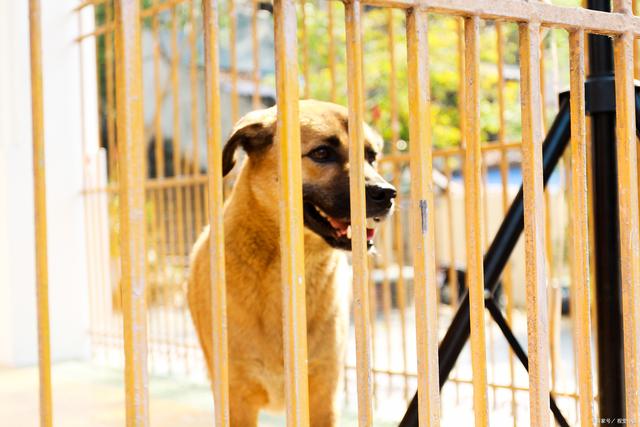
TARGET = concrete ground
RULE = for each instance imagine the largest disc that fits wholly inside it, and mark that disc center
(91, 394)
(87, 395)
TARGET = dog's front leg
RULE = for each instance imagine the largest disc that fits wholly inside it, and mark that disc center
(323, 386)
(243, 410)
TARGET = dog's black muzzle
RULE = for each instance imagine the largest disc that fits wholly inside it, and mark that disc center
(379, 197)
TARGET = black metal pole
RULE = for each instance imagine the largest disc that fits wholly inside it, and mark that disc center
(605, 211)
(497, 316)
(496, 257)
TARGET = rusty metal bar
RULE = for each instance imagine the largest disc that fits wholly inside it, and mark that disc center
(233, 59)
(398, 243)
(291, 221)
(353, 24)
(628, 211)
(220, 363)
(421, 213)
(516, 11)
(305, 50)
(504, 175)
(255, 47)
(179, 193)
(331, 54)
(132, 218)
(533, 188)
(110, 106)
(195, 123)
(579, 229)
(473, 214)
(40, 211)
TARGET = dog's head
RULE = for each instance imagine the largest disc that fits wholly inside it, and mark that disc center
(325, 168)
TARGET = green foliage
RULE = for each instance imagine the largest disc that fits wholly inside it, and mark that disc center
(444, 66)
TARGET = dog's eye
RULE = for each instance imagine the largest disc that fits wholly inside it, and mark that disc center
(322, 154)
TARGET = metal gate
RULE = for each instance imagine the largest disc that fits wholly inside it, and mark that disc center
(160, 212)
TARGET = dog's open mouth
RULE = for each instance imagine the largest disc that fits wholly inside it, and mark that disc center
(336, 231)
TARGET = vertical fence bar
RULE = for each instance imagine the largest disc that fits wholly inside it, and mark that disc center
(161, 193)
(580, 229)
(40, 210)
(179, 250)
(628, 200)
(353, 23)
(233, 59)
(195, 122)
(537, 318)
(421, 213)
(132, 218)
(220, 363)
(291, 222)
(304, 48)
(255, 47)
(331, 54)
(504, 176)
(473, 214)
(398, 239)
(109, 81)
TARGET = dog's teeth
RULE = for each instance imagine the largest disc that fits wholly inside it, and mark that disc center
(349, 232)
(372, 223)
(322, 214)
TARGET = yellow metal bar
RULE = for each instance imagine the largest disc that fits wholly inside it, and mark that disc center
(517, 11)
(451, 271)
(305, 50)
(195, 123)
(398, 236)
(504, 175)
(373, 306)
(132, 219)
(532, 131)
(636, 51)
(421, 213)
(580, 230)
(110, 107)
(233, 60)
(473, 214)
(553, 292)
(255, 47)
(159, 195)
(353, 24)
(331, 53)
(40, 210)
(177, 160)
(393, 96)
(462, 88)
(291, 221)
(386, 297)
(215, 211)
(629, 228)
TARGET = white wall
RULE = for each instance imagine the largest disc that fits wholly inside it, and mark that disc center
(64, 165)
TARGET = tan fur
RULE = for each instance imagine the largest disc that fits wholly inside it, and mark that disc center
(254, 296)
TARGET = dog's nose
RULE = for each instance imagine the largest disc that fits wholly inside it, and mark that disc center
(380, 193)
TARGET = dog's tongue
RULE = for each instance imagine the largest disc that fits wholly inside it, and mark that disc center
(342, 227)
(339, 226)
(370, 233)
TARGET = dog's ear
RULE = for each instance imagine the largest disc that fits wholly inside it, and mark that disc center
(254, 132)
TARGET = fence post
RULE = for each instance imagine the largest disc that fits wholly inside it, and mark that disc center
(132, 216)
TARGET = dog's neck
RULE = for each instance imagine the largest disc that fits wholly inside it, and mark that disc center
(252, 229)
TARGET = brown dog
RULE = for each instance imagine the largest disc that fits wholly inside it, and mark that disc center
(251, 233)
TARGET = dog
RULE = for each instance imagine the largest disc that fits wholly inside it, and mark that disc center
(252, 259)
